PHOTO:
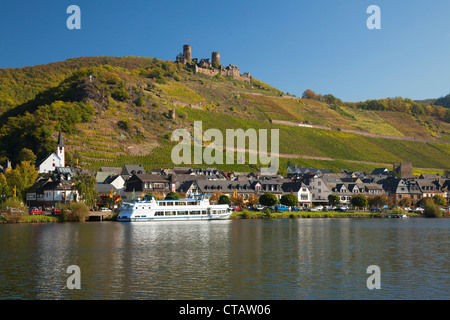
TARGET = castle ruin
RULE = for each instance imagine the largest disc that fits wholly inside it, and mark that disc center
(211, 66)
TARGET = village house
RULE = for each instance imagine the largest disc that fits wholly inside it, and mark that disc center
(399, 188)
(300, 190)
(106, 194)
(141, 184)
(48, 191)
(318, 188)
(243, 188)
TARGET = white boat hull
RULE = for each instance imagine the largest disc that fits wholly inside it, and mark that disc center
(173, 210)
(177, 218)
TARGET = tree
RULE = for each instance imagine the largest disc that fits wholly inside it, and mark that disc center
(215, 197)
(252, 199)
(172, 196)
(334, 200)
(439, 200)
(378, 201)
(239, 201)
(424, 201)
(405, 202)
(432, 210)
(85, 185)
(268, 199)
(21, 178)
(26, 155)
(224, 199)
(309, 94)
(289, 200)
(5, 190)
(359, 201)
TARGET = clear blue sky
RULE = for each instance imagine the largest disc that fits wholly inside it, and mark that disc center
(323, 45)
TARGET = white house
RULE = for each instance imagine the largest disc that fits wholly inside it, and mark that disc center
(53, 160)
(299, 189)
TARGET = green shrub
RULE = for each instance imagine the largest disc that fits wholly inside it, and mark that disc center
(139, 102)
(74, 212)
(432, 210)
(13, 210)
(124, 125)
(120, 94)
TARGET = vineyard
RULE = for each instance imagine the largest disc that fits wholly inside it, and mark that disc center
(116, 111)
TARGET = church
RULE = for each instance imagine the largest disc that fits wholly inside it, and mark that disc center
(54, 160)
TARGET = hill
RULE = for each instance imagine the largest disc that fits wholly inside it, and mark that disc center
(118, 110)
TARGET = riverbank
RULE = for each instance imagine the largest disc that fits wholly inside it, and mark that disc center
(245, 214)
(31, 219)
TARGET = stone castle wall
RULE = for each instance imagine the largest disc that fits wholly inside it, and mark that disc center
(227, 73)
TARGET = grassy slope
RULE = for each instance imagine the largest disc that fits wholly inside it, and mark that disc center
(224, 103)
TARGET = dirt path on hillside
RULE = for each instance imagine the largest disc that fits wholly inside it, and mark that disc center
(361, 133)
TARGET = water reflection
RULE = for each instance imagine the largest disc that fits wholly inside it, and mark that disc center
(245, 259)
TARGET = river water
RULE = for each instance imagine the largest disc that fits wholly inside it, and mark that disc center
(237, 259)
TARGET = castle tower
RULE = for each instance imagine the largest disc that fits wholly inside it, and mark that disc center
(187, 53)
(60, 150)
(215, 59)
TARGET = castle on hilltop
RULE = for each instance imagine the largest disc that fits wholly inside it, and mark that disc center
(211, 66)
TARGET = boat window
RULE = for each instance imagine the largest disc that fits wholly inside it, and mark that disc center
(181, 213)
(159, 213)
(162, 204)
(203, 211)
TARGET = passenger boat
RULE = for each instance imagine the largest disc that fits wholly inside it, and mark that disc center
(172, 210)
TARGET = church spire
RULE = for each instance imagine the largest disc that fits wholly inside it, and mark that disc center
(60, 150)
(60, 140)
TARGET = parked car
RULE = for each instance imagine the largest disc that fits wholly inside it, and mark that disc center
(237, 209)
(296, 209)
(341, 209)
(280, 207)
(318, 208)
(35, 211)
(56, 211)
(259, 207)
(104, 209)
(375, 210)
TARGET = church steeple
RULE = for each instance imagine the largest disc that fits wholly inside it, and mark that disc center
(60, 140)
(60, 150)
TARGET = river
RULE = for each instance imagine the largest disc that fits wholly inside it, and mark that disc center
(236, 259)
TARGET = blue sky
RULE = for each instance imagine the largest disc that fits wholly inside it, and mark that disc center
(294, 45)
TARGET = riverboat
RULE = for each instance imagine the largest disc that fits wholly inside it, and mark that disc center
(149, 209)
